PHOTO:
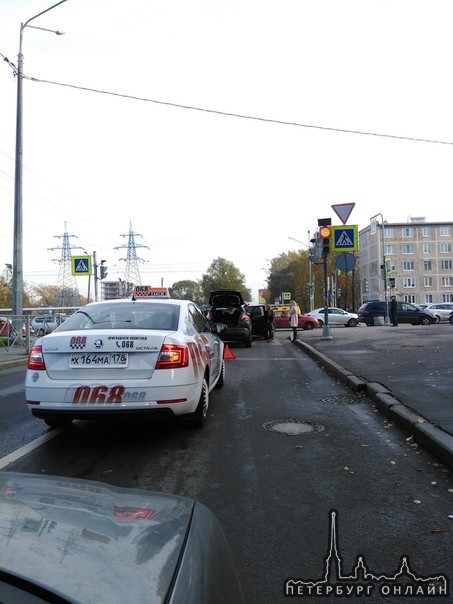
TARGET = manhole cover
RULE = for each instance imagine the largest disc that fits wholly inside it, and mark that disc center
(292, 426)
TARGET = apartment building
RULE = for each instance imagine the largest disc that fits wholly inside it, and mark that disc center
(413, 260)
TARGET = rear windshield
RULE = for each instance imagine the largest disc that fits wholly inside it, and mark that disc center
(131, 315)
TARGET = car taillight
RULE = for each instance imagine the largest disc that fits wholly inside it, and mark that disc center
(36, 359)
(244, 318)
(172, 356)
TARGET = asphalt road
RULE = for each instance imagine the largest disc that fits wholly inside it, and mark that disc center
(285, 445)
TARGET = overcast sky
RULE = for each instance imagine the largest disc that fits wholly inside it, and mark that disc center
(221, 128)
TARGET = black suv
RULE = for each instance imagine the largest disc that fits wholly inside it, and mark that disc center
(227, 307)
(407, 313)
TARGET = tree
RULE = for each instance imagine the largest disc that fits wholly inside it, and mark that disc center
(187, 290)
(42, 294)
(5, 294)
(222, 274)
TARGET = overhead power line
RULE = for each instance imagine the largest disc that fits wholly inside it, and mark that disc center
(231, 114)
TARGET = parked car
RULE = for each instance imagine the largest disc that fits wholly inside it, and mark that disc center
(227, 308)
(336, 316)
(77, 540)
(46, 324)
(281, 319)
(407, 313)
(450, 318)
(146, 357)
(441, 310)
(259, 316)
(5, 326)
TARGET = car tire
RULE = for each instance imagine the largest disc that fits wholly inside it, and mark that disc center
(352, 323)
(425, 321)
(201, 413)
(308, 326)
(321, 322)
(221, 381)
(58, 422)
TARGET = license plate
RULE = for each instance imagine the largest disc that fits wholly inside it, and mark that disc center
(95, 360)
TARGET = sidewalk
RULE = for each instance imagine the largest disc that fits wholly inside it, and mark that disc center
(13, 357)
(406, 371)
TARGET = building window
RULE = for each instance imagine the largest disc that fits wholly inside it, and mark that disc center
(390, 250)
(409, 298)
(428, 265)
(426, 232)
(446, 265)
(409, 266)
(428, 281)
(409, 282)
(407, 232)
(446, 281)
(445, 231)
(428, 298)
(427, 248)
(447, 298)
(445, 248)
(389, 233)
(408, 248)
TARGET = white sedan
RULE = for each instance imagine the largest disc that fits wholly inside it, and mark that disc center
(336, 316)
(148, 356)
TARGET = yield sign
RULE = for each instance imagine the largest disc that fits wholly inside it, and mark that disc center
(343, 211)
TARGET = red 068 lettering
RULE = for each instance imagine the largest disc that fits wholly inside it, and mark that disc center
(98, 395)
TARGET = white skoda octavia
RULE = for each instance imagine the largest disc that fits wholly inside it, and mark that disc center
(145, 355)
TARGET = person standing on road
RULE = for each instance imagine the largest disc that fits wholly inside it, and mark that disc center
(394, 311)
(293, 319)
(269, 323)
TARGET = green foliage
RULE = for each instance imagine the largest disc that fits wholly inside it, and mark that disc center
(223, 274)
(187, 290)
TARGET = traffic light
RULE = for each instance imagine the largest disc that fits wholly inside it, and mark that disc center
(325, 233)
(102, 270)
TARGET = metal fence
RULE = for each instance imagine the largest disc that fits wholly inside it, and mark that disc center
(15, 333)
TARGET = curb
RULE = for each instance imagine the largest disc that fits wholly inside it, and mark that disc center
(15, 363)
(426, 434)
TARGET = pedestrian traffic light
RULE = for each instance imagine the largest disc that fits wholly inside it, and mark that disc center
(102, 270)
(325, 233)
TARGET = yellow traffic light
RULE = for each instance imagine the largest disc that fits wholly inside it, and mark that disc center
(325, 231)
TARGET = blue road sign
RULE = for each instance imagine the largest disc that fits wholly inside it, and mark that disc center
(345, 238)
(81, 265)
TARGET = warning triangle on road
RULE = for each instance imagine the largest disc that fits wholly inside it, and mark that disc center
(227, 354)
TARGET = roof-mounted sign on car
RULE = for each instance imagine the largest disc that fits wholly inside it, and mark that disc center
(146, 291)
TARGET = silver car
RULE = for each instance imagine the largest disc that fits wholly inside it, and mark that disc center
(75, 540)
(441, 310)
(46, 324)
(337, 316)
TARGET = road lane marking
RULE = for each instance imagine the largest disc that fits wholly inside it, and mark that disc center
(15, 455)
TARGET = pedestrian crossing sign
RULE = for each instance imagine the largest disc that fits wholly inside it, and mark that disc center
(345, 238)
(80, 265)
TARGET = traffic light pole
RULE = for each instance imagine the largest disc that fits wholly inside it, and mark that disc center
(95, 275)
(326, 335)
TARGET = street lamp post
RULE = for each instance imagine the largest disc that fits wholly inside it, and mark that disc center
(384, 272)
(18, 275)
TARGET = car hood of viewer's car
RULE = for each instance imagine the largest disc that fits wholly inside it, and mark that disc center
(92, 542)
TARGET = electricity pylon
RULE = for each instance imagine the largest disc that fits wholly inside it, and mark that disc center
(132, 272)
(67, 291)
